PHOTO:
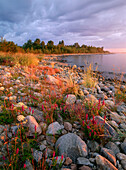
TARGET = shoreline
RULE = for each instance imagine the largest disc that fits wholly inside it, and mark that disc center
(74, 54)
(112, 76)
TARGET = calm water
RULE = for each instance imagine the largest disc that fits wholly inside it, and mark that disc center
(103, 62)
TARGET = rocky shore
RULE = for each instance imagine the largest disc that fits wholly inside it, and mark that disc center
(61, 142)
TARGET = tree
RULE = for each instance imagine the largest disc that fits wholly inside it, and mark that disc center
(76, 45)
(50, 44)
(61, 43)
(36, 44)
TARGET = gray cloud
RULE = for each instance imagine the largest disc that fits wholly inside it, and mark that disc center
(91, 22)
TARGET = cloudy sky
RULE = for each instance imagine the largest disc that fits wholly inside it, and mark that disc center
(90, 22)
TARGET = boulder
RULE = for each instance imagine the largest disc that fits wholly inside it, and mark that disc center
(123, 146)
(109, 131)
(54, 128)
(71, 145)
(92, 98)
(33, 125)
(84, 161)
(52, 80)
(108, 154)
(113, 147)
(104, 164)
(70, 99)
(67, 126)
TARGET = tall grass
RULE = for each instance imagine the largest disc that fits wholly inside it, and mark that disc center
(18, 58)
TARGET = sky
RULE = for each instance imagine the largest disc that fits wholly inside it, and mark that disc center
(91, 22)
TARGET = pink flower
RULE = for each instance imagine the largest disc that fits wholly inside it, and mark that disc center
(57, 158)
(103, 103)
(35, 128)
(12, 106)
(32, 111)
(29, 109)
(4, 158)
(24, 165)
(56, 105)
(88, 127)
(86, 117)
(53, 153)
(61, 157)
(42, 107)
(22, 108)
(17, 150)
(83, 122)
(90, 134)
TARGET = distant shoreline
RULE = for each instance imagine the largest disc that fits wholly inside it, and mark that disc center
(73, 54)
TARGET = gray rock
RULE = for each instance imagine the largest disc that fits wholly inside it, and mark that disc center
(93, 146)
(109, 103)
(123, 163)
(54, 128)
(71, 145)
(85, 168)
(14, 129)
(67, 126)
(38, 115)
(52, 80)
(33, 125)
(113, 124)
(116, 117)
(109, 131)
(108, 154)
(104, 164)
(1, 144)
(86, 92)
(112, 88)
(121, 156)
(1, 129)
(28, 165)
(48, 153)
(113, 147)
(92, 160)
(105, 88)
(123, 88)
(123, 146)
(50, 140)
(83, 161)
(123, 126)
(70, 99)
(42, 147)
(121, 108)
(37, 155)
(92, 98)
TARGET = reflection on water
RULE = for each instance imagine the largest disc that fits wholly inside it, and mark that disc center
(103, 62)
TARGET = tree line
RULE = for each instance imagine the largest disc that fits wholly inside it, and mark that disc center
(39, 46)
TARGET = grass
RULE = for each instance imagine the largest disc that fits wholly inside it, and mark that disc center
(9, 59)
(120, 95)
(89, 79)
